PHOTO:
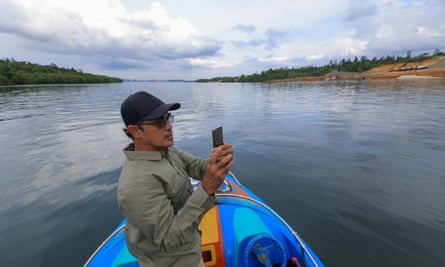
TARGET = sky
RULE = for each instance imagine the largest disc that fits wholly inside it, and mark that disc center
(174, 39)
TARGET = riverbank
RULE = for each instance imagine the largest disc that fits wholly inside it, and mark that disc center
(432, 69)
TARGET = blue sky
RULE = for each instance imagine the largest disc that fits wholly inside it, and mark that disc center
(143, 39)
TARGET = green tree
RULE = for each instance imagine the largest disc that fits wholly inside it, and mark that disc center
(13, 72)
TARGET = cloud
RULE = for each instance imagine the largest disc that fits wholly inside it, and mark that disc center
(75, 27)
(250, 43)
(314, 57)
(273, 38)
(350, 47)
(358, 11)
(214, 63)
(396, 25)
(245, 28)
(274, 60)
(429, 33)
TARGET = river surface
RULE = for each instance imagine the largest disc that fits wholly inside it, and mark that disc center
(357, 168)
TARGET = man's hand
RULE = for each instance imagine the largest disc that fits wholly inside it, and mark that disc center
(220, 163)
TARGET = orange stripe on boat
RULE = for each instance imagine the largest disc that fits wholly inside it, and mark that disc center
(238, 190)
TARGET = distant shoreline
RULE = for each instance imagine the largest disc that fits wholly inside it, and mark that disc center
(432, 67)
(436, 73)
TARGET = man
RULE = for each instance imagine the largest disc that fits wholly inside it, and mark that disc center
(154, 192)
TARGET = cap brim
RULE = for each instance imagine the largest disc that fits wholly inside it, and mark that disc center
(161, 110)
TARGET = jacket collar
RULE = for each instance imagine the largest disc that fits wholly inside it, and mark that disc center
(143, 155)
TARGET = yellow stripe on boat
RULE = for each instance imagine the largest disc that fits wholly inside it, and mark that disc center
(209, 227)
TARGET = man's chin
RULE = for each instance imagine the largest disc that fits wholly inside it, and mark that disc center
(170, 143)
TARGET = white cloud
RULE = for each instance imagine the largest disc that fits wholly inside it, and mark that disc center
(213, 63)
(76, 25)
(385, 31)
(348, 46)
(397, 25)
(272, 59)
(428, 32)
(314, 57)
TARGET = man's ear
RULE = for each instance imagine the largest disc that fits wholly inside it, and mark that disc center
(133, 130)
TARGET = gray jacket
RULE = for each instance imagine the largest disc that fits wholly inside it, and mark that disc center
(162, 210)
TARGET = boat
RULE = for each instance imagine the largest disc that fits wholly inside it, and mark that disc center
(239, 230)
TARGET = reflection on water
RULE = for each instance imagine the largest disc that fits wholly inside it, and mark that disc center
(356, 167)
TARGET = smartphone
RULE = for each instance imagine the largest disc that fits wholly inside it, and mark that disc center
(217, 136)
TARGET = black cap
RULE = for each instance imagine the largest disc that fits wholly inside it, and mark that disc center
(144, 106)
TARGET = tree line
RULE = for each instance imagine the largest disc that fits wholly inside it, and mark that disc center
(13, 72)
(356, 64)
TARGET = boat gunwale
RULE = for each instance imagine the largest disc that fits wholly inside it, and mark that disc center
(102, 245)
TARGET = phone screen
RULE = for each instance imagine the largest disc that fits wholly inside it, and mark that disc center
(217, 136)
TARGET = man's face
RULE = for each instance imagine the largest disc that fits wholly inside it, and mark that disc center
(153, 135)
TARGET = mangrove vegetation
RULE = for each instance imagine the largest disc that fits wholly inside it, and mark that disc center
(13, 73)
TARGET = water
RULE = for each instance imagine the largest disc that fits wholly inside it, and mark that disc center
(357, 168)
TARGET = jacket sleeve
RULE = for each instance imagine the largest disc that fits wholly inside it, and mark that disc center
(195, 167)
(149, 208)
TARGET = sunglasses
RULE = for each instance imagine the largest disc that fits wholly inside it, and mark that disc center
(160, 122)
